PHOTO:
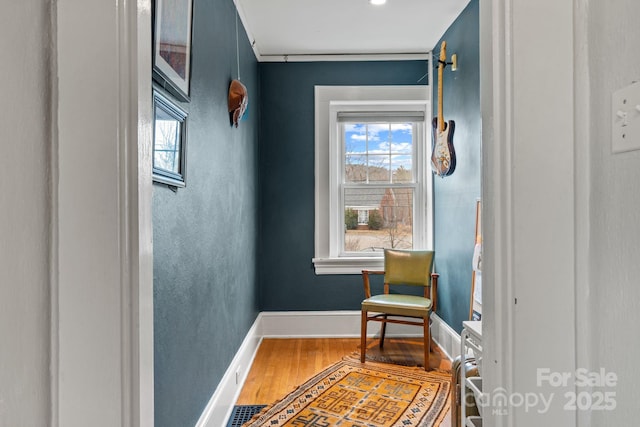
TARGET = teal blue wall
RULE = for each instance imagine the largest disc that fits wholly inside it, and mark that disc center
(286, 152)
(205, 235)
(456, 195)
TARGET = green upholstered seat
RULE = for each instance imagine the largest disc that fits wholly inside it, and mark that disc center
(399, 305)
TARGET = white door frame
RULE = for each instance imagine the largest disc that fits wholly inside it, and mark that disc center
(101, 243)
(497, 291)
(530, 202)
(102, 304)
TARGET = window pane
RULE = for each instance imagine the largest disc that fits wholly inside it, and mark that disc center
(379, 134)
(402, 135)
(166, 153)
(379, 168)
(355, 138)
(389, 219)
(401, 167)
(355, 168)
(379, 152)
(402, 152)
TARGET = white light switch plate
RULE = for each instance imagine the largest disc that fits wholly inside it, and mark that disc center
(625, 116)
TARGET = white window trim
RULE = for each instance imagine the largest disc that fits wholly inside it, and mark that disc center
(326, 260)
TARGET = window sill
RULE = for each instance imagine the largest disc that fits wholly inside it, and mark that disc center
(347, 265)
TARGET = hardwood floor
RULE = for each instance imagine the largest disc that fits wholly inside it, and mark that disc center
(281, 365)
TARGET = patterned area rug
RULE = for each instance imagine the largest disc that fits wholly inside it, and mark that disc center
(353, 394)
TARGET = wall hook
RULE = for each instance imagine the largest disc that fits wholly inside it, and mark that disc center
(453, 63)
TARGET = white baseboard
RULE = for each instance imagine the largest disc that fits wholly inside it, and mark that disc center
(320, 324)
(224, 398)
(305, 324)
(447, 339)
(310, 324)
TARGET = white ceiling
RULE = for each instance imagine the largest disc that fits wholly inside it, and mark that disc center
(346, 27)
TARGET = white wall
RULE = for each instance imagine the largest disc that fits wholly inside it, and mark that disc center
(24, 213)
(614, 62)
(563, 211)
(75, 255)
(88, 243)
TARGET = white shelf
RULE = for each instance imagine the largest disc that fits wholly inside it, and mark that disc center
(474, 327)
(475, 384)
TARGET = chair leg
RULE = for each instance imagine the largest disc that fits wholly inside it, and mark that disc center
(383, 330)
(363, 336)
(432, 342)
(427, 342)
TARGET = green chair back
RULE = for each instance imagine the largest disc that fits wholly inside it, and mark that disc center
(408, 267)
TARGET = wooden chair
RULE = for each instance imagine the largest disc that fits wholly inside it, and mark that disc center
(401, 267)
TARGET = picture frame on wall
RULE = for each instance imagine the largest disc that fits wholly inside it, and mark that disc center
(169, 141)
(172, 46)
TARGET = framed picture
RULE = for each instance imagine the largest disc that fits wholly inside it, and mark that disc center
(172, 46)
(169, 141)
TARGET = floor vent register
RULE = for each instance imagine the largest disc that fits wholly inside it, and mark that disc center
(243, 413)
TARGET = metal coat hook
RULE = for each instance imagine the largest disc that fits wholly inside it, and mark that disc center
(453, 63)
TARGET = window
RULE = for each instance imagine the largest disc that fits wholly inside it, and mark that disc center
(373, 187)
(363, 216)
(378, 178)
(169, 141)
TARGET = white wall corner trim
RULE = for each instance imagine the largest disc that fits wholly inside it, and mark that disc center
(514, 117)
(102, 269)
(304, 324)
